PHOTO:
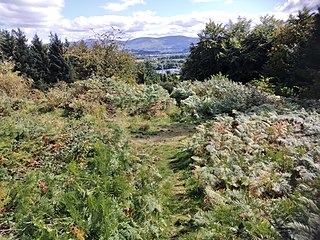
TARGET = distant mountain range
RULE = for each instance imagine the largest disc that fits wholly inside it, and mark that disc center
(169, 44)
(149, 45)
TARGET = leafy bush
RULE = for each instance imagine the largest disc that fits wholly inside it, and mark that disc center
(264, 84)
(217, 95)
(11, 84)
(8, 105)
(260, 175)
(98, 95)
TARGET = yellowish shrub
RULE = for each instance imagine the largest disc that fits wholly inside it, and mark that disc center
(11, 83)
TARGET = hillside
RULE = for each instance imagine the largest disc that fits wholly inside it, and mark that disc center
(179, 44)
(149, 45)
(104, 159)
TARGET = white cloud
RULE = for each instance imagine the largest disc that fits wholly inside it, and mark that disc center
(228, 1)
(204, 1)
(124, 4)
(207, 1)
(43, 16)
(149, 23)
(30, 13)
(293, 6)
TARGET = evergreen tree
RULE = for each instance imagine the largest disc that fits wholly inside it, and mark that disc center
(40, 61)
(21, 53)
(234, 50)
(235, 62)
(285, 53)
(60, 69)
(7, 45)
(2, 57)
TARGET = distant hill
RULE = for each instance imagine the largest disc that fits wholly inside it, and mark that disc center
(169, 44)
(149, 45)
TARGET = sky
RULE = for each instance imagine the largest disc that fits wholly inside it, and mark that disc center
(82, 19)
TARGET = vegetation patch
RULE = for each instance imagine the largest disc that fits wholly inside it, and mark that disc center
(203, 100)
(259, 174)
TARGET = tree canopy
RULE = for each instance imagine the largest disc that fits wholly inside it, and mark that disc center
(285, 51)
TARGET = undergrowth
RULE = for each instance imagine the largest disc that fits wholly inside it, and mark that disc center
(204, 100)
(69, 169)
(259, 174)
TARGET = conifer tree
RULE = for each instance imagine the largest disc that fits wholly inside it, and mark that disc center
(21, 53)
(205, 58)
(40, 61)
(6, 44)
(60, 69)
(1, 42)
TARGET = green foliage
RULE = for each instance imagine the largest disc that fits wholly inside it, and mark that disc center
(204, 57)
(105, 94)
(217, 95)
(147, 74)
(60, 69)
(40, 62)
(264, 84)
(21, 53)
(11, 84)
(286, 52)
(74, 179)
(233, 49)
(106, 58)
(71, 166)
(6, 45)
(260, 175)
(289, 56)
(58, 61)
(80, 55)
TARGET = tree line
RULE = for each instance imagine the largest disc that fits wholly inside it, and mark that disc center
(46, 64)
(282, 55)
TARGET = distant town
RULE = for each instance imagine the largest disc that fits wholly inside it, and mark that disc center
(166, 54)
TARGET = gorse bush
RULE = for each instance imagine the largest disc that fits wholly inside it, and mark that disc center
(259, 174)
(217, 95)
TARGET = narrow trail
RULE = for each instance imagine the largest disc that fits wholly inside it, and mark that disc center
(165, 147)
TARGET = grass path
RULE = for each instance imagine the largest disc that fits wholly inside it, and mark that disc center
(164, 147)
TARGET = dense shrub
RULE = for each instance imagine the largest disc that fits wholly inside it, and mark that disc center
(259, 174)
(106, 94)
(217, 95)
(11, 84)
